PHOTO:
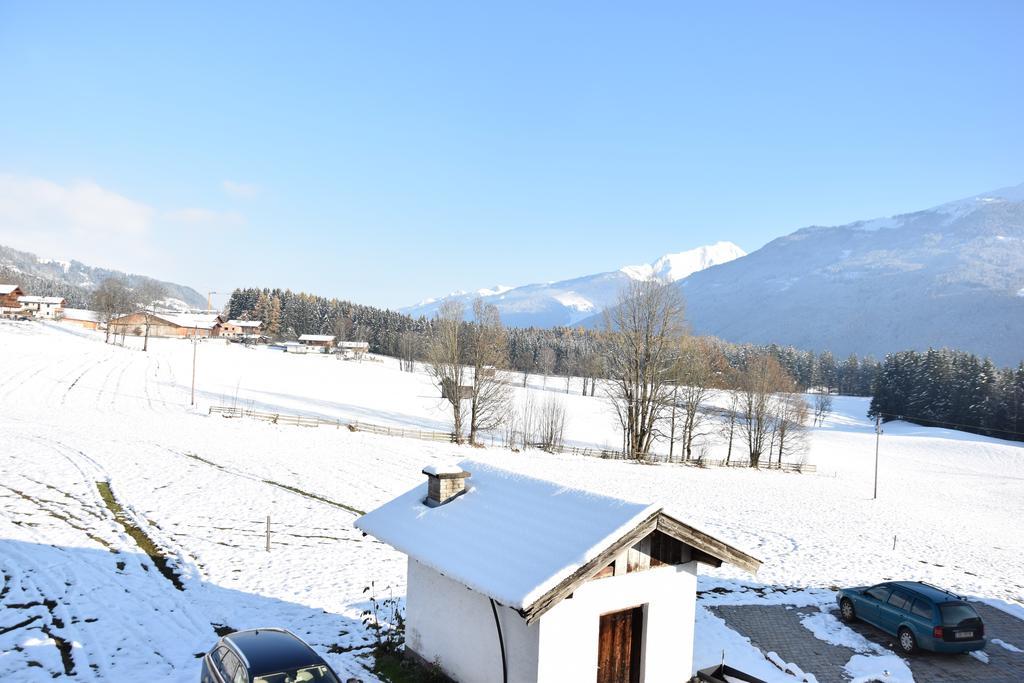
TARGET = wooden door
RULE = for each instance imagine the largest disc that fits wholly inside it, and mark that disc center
(620, 638)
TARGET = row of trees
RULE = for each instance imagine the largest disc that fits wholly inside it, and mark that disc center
(951, 389)
(560, 351)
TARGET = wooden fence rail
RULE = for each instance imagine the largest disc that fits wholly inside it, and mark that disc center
(448, 437)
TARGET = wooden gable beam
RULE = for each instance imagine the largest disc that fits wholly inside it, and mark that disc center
(574, 580)
(708, 545)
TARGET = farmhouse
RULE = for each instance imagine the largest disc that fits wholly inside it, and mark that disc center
(324, 341)
(522, 580)
(355, 349)
(168, 324)
(241, 328)
(46, 307)
(80, 317)
(9, 295)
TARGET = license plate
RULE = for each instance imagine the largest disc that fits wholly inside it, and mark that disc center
(964, 635)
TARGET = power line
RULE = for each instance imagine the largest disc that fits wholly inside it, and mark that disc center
(949, 424)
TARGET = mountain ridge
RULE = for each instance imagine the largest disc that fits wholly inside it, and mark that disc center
(566, 302)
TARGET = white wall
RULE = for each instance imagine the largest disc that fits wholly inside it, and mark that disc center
(569, 632)
(449, 623)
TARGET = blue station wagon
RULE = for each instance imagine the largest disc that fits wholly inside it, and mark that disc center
(918, 614)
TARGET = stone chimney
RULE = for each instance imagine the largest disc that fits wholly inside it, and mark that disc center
(444, 483)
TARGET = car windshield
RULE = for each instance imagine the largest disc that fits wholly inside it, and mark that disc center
(309, 674)
(954, 613)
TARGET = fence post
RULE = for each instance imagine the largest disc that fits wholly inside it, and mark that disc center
(268, 533)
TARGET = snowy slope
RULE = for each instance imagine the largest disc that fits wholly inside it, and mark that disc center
(80, 411)
(949, 276)
(569, 301)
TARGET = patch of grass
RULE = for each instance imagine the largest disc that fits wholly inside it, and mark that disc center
(144, 542)
(394, 668)
(314, 496)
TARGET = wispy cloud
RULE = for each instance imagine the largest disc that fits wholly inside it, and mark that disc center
(93, 224)
(240, 190)
(206, 217)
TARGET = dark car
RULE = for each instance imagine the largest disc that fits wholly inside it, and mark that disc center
(264, 655)
(920, 615)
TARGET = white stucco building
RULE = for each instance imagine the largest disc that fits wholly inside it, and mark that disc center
(48, 307)
(523, 580)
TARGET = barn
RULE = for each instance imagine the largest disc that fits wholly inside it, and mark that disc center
(80, 317)
(324, 341)
(168, 324)
(242, 329)
(515, 579)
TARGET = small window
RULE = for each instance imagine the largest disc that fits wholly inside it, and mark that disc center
(922, 609)
(880, 593)
(899, 601)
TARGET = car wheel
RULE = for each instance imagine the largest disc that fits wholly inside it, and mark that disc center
(846, 610)
(906, 640)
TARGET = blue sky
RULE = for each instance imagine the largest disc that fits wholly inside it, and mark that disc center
(386, 152)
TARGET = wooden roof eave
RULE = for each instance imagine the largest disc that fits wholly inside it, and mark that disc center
(707, 549)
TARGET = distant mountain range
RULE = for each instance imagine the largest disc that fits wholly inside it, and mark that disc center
(569, 301)
(74, 280)
(950, 276)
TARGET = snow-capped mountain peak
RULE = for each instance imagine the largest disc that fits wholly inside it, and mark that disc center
(673, 267)
(566, 302)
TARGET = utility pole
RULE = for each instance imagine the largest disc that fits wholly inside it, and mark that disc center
(195, 345)
(878, 438)
(672, 428)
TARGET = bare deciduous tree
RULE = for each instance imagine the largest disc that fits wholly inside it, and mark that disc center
(487, 351)
(551, 422)
(822, 407)
(445, 356)
(695, 375)
(759, 382)
(408, 350)
(111, 299)
(145, 296)
(790, 426)
(730, 416)
(642, 333)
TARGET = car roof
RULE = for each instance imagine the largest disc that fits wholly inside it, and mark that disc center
(933, 593)
(269, 650)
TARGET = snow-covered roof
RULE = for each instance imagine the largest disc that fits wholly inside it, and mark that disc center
(41, 299)
(81, 314)
(199, 321)
(245, 323)
(7, 289)
(522, 541)
(511, 537)
(316, 337)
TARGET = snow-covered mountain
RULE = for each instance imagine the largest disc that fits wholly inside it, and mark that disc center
(569, 301)
(74, 280)
(951, 276)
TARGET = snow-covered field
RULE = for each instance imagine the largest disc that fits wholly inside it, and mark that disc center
(78, 594)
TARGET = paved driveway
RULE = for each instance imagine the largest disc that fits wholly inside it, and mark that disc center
(778, 628)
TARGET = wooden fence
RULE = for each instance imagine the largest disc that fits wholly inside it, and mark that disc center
(448, 437)
(312, 421)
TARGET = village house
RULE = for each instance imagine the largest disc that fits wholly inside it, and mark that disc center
(168, 324)
(236, 329)
(515, 579)
(353, 349)
(324, 341)
(80, 317)
(44, 307)
(9, 295)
